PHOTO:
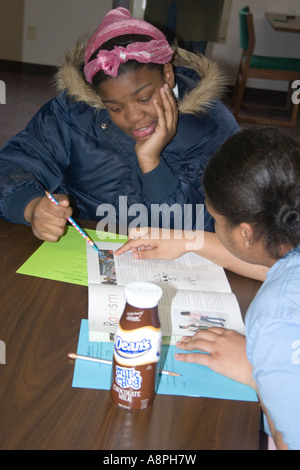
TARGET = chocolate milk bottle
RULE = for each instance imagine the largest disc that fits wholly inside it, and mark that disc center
(137, 348)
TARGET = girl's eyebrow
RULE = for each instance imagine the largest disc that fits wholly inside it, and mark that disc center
(134, 93)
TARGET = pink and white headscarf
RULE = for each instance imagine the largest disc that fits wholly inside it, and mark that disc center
(119, 22)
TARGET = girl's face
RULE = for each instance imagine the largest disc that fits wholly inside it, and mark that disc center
(129, 99)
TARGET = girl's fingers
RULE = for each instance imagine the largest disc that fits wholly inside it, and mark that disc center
(202, 359)
(209, 335)
(170, 106)
(201, 345)
(134, 245)
(161, 122)
(168, 112)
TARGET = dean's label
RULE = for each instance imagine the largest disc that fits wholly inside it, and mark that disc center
(137, 347)
(128, 349)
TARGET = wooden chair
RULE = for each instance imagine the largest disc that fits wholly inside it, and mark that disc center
(262, 67)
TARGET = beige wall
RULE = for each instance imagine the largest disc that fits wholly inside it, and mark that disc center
(59, 23)
(11, 29)
(40, 31)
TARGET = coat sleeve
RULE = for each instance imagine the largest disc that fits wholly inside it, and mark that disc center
(177, 202)
(34, 160)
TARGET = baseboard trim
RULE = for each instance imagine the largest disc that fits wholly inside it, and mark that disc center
(261, 95)
(26, 67)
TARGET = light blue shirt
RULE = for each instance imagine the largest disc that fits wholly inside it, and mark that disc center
(273, 345)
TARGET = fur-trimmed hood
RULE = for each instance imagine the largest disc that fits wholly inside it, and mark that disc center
(210, 88)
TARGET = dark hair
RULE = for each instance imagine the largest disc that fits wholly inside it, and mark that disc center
(254, 177)
(130, 65)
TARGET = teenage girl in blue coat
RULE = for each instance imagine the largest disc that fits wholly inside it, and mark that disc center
(125, 142)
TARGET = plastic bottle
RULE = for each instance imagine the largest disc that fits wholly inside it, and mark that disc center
(137, 348)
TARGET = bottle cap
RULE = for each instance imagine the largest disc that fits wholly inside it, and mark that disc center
(143, 294)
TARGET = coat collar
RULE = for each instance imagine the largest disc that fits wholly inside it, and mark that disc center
(200, 81)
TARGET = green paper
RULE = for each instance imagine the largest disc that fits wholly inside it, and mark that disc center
(66, 259)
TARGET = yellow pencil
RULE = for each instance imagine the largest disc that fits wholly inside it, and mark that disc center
(107, 361)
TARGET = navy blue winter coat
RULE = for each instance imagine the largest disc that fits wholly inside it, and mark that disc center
(71, 146)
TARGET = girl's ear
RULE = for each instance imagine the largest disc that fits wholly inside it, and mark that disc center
(169, 75)
(246, 232)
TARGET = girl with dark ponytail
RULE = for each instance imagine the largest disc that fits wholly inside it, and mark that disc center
(252, 186)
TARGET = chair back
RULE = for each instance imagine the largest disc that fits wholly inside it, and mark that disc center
(247, 37)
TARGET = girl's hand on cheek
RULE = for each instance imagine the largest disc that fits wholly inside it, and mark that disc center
(149, 150)
(167, 115)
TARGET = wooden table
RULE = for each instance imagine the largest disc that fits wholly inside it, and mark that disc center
(39, 409)
(287, 23)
